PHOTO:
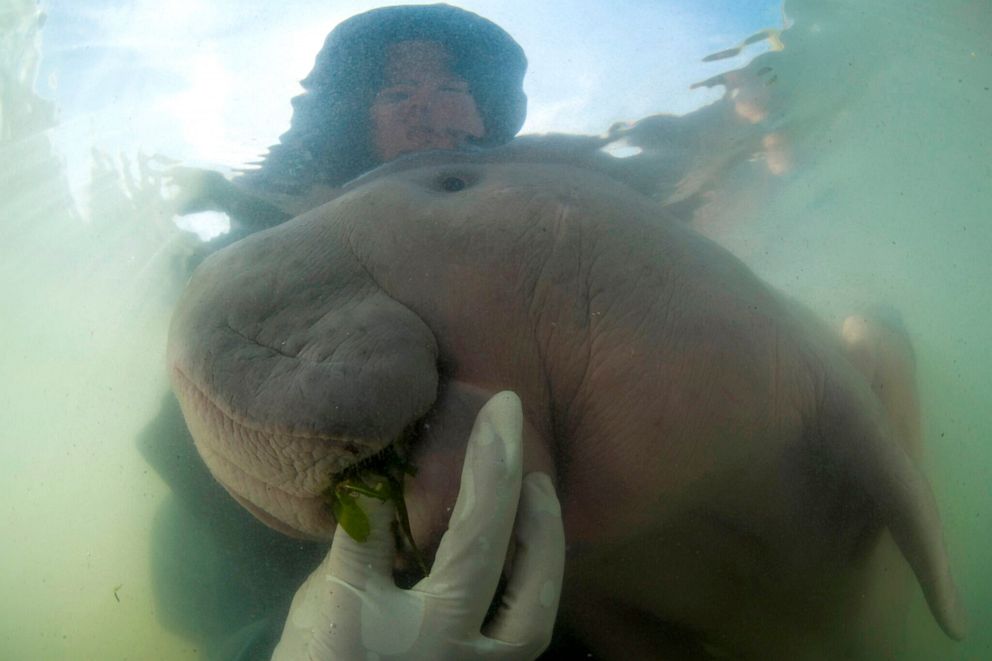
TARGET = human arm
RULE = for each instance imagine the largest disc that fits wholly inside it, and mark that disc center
(207, 190)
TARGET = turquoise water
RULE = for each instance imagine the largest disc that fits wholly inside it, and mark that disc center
(875, 184)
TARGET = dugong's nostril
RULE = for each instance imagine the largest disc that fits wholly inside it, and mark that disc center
(453, 184)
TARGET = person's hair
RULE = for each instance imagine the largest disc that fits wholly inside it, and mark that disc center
(329, 140)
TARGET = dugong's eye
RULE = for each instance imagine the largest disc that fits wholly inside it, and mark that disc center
(453, 184)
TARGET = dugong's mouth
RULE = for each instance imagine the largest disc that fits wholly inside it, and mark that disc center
(380, 476)
(284, 476)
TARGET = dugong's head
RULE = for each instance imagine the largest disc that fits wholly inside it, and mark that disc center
(304, 349)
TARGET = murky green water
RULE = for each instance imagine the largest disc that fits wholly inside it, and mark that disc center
(875, 185)
(891, 201)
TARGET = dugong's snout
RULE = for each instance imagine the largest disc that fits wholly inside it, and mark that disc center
(294, 374)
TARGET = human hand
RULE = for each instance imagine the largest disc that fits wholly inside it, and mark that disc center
(195, 189)
(350, 608)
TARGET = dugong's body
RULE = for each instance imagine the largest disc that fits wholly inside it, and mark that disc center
(725, 472)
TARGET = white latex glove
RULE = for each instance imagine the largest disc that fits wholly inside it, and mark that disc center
(350, 609)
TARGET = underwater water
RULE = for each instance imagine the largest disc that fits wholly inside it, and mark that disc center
(873, 183)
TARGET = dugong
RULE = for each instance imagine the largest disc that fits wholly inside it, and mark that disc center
(725, 471)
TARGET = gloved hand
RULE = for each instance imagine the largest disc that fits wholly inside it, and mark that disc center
(350, 608)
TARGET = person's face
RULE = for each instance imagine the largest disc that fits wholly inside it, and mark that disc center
(422, 104)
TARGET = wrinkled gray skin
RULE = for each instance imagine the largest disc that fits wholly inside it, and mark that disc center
(726, 473)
